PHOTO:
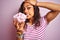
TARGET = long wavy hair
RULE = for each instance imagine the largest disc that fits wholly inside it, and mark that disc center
(36, 14)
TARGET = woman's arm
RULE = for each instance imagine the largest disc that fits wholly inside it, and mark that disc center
(51, 15)
(55, 8)
(49, 5)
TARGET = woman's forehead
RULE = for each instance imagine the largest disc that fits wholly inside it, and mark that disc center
(26, 4)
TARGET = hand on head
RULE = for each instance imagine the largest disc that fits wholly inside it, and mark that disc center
(33, 2)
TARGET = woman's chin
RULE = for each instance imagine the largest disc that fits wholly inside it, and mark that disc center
(29, 17)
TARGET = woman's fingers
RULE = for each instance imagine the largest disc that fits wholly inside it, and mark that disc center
(21, 25)
(18, 25)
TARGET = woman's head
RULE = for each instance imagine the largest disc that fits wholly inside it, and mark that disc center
(30, 10)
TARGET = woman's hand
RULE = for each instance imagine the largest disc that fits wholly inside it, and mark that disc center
(18, 25)
(33, 2)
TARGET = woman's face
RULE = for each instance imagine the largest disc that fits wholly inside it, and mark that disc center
(28, 10)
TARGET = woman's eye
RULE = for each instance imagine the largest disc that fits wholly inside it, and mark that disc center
(28, 8)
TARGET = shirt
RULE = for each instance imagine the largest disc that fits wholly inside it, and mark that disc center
(36, 34)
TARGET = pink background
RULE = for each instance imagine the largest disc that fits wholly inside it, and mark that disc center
(10, 7)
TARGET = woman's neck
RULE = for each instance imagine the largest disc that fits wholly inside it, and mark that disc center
(31, 21)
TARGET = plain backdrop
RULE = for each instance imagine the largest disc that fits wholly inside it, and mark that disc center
(10, 7)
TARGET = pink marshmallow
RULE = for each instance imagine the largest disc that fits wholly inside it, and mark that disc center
(20, 17)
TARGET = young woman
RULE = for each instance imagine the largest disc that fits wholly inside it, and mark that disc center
(34, 26)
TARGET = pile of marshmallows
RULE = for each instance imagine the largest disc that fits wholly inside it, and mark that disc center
(20, 17)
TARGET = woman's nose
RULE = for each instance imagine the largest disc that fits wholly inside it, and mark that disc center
(25, 10)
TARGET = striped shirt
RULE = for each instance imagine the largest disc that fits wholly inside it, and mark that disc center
(36, 34)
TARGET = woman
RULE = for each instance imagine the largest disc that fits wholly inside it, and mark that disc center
(34, 26)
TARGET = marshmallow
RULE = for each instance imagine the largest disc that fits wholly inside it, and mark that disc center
(20, 17)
